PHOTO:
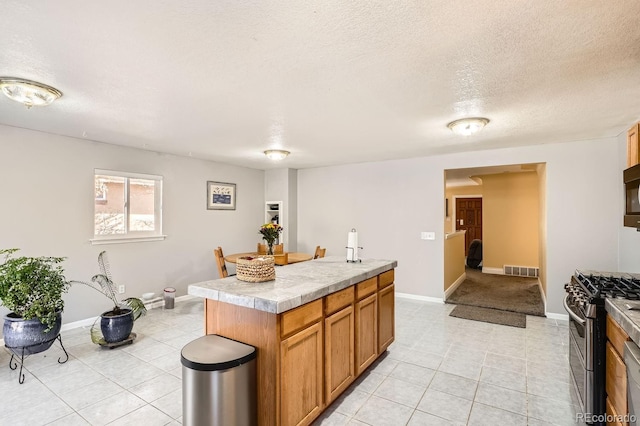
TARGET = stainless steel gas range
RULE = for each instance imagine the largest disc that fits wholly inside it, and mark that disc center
(584, 302)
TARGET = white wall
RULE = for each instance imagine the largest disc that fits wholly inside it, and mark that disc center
(390, 202)
(46, 196)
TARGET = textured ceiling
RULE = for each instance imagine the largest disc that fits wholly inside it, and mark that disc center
(333, 82)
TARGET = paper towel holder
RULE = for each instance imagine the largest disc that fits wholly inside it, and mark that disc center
(352, 253)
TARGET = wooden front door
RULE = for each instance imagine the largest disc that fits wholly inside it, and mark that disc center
(469, 218)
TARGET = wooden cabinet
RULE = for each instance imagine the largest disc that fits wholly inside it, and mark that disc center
(386, 310)
(301, 378)
(366, 332)
(309, 355)
(616, 372)
(339, 352)
(633, 151)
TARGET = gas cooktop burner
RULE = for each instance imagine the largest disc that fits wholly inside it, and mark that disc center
(602, 284)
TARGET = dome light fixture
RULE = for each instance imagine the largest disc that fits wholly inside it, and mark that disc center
(468, 126)
(276, 154)
(27, 92)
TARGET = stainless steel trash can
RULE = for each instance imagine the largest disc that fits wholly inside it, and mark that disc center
(218, 382)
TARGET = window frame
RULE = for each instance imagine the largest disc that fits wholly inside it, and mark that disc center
(131, 236)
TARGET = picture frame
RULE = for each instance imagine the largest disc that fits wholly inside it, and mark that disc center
(221, 196)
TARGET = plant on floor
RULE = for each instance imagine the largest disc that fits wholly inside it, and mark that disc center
(117, 323)
(32, 288)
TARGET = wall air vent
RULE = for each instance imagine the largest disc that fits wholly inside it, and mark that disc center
(521, 271)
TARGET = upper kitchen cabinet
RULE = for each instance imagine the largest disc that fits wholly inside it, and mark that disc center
(633, 153)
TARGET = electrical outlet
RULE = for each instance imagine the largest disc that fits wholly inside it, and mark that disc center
(121, 289)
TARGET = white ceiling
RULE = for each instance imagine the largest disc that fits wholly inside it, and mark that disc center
(333, 82)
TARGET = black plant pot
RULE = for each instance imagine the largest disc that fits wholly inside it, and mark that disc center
(28, 334)
(116, 328)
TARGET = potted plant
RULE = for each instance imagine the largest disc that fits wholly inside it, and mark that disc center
(115, 324)
(31, 288)
(270, 233)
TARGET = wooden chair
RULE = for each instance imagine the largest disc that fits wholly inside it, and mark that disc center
(277, 248)
(319, 252)
(222, 267)
(281, 259)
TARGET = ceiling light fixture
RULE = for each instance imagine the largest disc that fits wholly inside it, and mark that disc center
(28, 92)
(276, 154)
(468, 126)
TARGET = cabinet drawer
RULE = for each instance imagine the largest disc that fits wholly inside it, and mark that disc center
(616, 335)
(336, 301)
(299, 318)
(616, 380)
(366, 287)
(385, 278)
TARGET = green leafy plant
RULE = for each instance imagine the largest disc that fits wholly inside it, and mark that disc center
(32, 287)
(104, 284)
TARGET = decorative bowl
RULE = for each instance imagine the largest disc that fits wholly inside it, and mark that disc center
(148, 296)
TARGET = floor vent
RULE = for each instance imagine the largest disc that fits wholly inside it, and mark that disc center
(521, 271)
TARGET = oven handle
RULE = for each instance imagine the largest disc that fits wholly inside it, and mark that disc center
(571, 313)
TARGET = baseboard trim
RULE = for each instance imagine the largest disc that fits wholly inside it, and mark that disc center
(448, 292)
(557, 316)
(421, 298)
(495, 271)
(88, 322)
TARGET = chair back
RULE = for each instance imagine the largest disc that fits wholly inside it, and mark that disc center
(277, 248)
(222, 267)
(281, 259)
(319, 252)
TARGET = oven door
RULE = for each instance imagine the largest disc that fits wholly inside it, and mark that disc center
(578, 355)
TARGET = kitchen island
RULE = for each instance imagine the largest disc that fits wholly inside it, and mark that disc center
(317, 327)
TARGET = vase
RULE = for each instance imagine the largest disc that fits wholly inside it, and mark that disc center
(270, 247)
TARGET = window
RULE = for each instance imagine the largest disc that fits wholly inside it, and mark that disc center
(127, 207)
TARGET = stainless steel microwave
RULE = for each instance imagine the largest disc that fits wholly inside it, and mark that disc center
(631, 187)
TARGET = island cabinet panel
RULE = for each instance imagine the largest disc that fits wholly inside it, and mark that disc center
(301, 377)
(386, 317)
(366, 332)
(339, 352)
(259, 329)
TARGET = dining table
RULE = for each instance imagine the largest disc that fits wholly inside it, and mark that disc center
(293, 257)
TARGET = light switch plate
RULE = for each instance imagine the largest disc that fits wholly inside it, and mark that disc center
(431, 235)
(423, 235)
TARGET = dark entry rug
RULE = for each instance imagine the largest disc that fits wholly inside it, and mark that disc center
(507, 293)
(493, 316)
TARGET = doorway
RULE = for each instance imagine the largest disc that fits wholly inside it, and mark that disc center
(469, 218)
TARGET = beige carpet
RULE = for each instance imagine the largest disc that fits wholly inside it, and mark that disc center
(503, 292)
(494, 316)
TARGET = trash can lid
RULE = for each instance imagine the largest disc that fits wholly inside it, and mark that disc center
(213, 352)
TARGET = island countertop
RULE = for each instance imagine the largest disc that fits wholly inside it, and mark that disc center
(294, 286)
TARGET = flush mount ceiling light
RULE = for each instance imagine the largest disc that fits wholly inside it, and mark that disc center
(276, 154)
(468, 126)
(28, 92)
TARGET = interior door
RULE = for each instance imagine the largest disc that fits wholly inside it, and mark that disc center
(469, 218)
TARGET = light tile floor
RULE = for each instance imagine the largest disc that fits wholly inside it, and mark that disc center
(440, 371)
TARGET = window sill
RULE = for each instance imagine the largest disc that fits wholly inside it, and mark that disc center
(122, 240)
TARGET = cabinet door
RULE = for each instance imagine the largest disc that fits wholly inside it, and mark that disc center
(616, 380)
(386, 317)
(301, 377)
(339, 352)
(366, 332)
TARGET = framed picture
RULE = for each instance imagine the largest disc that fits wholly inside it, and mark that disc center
(221, 196)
